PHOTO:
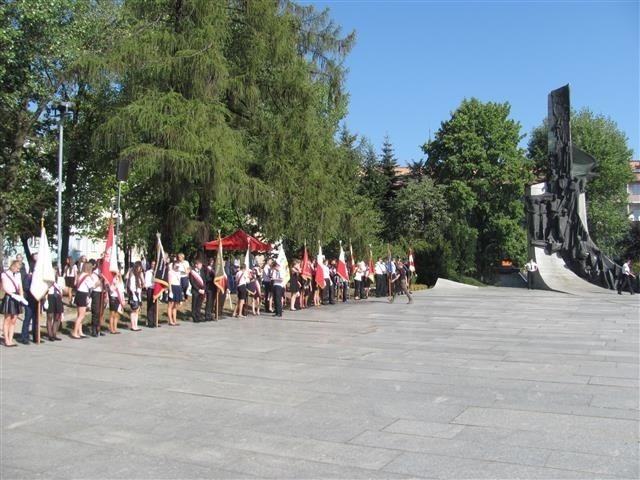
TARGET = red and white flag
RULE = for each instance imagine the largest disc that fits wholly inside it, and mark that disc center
(342, 266)
(43, 273)
(306, 272)
(412, 267)
(319, 271)
(110, 257)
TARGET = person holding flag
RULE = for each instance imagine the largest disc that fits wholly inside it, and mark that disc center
(319, 278)
(197, 290)
(343, 273)
(42, 278)
(160, 277)
(306, 273)
(220, 279)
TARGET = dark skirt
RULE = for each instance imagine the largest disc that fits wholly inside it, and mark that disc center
(242, 292)
(81, 299)
(178, 296)
(70, 282)
(55, 304)
(10, 306)
(114, 303)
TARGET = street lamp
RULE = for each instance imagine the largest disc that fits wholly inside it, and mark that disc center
(63, 108)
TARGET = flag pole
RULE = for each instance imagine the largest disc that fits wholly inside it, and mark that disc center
(39, 318)
(389, 283)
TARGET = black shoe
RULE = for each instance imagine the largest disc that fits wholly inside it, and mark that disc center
(94, 334)
(57, 339)
(102, 334)
(24, 342)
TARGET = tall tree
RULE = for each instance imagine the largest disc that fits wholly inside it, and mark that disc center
(478, 147)
(606, 193)
(388, 166)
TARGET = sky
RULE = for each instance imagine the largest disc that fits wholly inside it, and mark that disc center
(415, 61)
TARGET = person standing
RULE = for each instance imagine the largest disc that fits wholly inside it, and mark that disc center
(294, 283)
(70, 277)
(184, 268)
(241, 287)
(531, 266)
(55, 307)
(266, 286)
(30, 320)
(210, 291)
(277, 288)
(197, 291)
(148, 285)
(135, 283)
(84, 285)
(399, 283)
(12, 302)
(625, 279)
(97, 300)
(175, 294)
(116, 302)
(358, 277)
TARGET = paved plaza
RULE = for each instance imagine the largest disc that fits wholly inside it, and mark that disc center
(465, 383)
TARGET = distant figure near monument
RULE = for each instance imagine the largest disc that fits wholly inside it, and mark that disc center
(556, 209)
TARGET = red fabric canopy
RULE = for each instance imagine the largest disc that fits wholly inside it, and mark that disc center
(239, 241)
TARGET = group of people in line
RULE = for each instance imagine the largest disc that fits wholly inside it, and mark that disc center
(255, 287)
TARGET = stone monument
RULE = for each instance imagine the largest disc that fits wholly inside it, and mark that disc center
(556, 211)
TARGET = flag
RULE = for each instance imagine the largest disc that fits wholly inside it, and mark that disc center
(354, 267)
(319, 271)
(412, 267)
(43, 273)
(306, 266)
(284, 265)
(160, 279)
(247, 259)
(371, 269)
(220, 277)
(110, 257)
(342, 266)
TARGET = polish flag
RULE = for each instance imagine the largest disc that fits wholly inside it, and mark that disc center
(319, 271)
(342, 266)
(306, 272)
(110, 257)
(412, 267)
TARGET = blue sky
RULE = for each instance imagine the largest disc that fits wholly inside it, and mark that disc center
(415, 61)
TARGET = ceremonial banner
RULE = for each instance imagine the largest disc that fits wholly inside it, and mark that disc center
(43, 273)
(319, 272)
(284, 266)
(412, 267)
(353, 265)
(220, 277)
(110, 257)
(342, 266)
(306, 272)
(371, 273)
(160, 280)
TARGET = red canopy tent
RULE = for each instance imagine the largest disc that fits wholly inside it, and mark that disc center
(239, 241)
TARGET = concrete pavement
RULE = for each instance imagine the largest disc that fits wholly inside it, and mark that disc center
(464, 383)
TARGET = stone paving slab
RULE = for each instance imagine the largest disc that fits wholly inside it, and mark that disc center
(464, 383)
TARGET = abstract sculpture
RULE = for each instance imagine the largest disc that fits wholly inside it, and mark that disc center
(556, 209)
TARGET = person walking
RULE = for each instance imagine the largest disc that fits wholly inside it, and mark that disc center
(277, 288)
(531, 266)
(625, 280)
(399, 283)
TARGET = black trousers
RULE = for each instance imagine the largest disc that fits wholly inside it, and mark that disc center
(196, 305)
(529, 280)
(209, 309)
(97, 310)
(151, 309)
(278, 293)
(625, 283)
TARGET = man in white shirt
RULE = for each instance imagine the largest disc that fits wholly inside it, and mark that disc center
(531, 266)
(625, 279)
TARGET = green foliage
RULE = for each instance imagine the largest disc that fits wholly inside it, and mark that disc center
(475, 155)
(606, 194)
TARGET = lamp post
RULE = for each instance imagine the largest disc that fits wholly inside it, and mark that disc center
(63, 108)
